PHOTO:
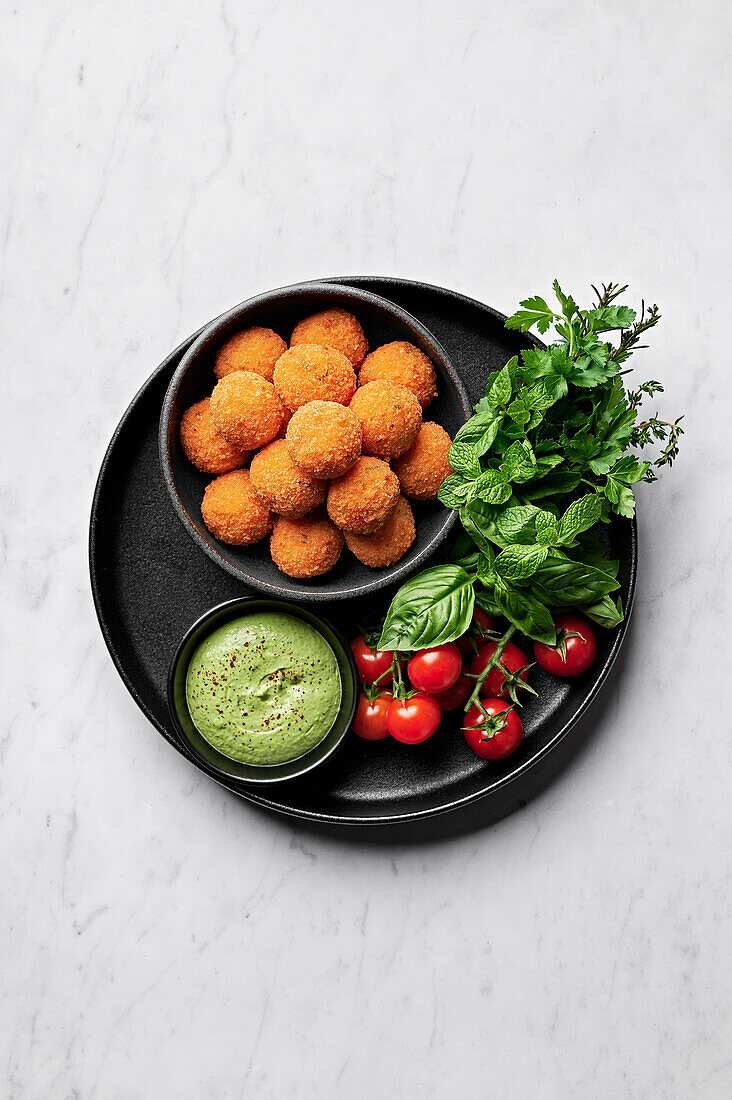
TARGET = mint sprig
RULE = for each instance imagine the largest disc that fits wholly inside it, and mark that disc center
(548, 455)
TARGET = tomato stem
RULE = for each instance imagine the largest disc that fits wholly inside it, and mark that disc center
(475, 694)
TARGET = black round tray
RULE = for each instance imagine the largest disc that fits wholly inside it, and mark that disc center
(150, 582)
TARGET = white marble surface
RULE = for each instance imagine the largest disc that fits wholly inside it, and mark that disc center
(162, 162)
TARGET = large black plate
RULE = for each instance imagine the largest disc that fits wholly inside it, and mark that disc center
(150, 582)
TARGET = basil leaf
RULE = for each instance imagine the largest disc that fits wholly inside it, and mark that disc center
(465, 552)
(479, 520)
(434, 607)
(526, 613)
(515, 563)
(605, 612)
(563, 582)
(554, 484)
(480, 431)
(487, 602)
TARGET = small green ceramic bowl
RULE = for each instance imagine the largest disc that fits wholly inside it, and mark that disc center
(215, 761)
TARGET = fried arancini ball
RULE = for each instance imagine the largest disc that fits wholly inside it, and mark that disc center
(286, 489)
(404, 365)
(423, 468)
(390, 417)
(324, 438)
(390, 543)
(203, 445)
(306, 547)
(361, 499)
(233, 512)
(256, 349)
(246, 409)
(286, 418)
(311, 372)
(335, 328)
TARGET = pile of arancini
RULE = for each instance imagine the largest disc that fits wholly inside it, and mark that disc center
(336, 454)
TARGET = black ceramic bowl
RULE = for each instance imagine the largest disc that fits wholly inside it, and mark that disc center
(194, 379)
(223, 766)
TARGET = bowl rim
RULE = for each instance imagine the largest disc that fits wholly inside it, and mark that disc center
(382, 579)
(308, 762)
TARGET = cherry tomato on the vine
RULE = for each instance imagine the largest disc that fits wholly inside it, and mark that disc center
(372, 664)
(579, 651)
(480, 627)
(457, 696)
(504, 741)
(494, 686)
(435, 669)
(413, 720)
(370, 720)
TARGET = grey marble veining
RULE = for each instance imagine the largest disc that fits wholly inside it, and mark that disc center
(161, 939)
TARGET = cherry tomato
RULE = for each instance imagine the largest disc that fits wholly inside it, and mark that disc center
(370, 721)
(494, 686)
(580, 651)
(457, 696)
(371, 663)
(505, 741)
(479, 628)
(436, 669)
(413, 720)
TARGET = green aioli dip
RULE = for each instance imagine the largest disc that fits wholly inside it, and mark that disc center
(264, 688)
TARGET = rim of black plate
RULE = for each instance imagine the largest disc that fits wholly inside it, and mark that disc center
(256, 797)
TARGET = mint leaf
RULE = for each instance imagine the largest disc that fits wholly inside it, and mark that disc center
(500, 391)
(518, 562)
(519, 462)
(464, 459)
(516, 524)
(456, 491)
(492, 487)
(580, 516)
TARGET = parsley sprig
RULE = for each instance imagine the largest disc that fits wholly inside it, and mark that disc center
(547, 455)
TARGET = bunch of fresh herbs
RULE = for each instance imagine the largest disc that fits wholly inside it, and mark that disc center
(547, 455)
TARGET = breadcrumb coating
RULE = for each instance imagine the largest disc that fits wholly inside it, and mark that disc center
(256, 349)
(246, 410)
(284, 487)
(390, 543)
(233, 512)
(423, 468)
(361, 499)
(404, 365)
(390, 418)
(324, 438)
(305, 547)
(335, 328)
(311, 372)
(203, 445)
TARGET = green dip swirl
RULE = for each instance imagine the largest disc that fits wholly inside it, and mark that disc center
(264, 688)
